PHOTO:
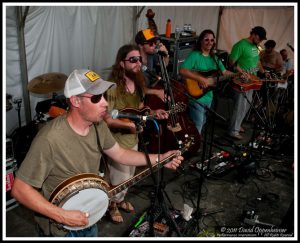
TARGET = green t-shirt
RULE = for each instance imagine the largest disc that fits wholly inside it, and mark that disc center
(58, 153)
(196, 61)
(119, 101)
(246, 55)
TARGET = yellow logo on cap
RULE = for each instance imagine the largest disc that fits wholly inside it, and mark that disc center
(92, 76)
(148, 34)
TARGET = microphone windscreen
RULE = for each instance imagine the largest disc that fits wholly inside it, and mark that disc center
(144, 68)
(114, 114)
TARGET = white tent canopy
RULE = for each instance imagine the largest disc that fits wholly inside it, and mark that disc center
(61, 38)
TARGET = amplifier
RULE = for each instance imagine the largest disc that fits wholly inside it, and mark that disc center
(178, 50)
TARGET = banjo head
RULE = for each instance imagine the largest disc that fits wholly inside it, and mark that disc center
(92, 201)
(86, 193)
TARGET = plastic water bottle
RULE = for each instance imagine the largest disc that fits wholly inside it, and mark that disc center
(168, 28)
(177, 32)
(185, 27)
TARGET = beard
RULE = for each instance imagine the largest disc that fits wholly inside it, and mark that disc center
(137, 77)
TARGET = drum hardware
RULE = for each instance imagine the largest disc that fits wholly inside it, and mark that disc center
(18, 101)
(9, 105)
(51, 108)
(47, 83)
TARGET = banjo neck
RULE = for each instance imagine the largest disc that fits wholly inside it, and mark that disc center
(132, 181)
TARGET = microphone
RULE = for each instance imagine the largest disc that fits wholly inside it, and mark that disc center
(161, 53)
(116, 114)
(145, 69)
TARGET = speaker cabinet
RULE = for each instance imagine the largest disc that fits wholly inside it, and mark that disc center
(178, 50)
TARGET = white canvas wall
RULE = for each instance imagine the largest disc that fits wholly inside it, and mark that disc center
(62, 38)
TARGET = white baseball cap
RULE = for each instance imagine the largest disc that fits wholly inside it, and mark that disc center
(85, 81)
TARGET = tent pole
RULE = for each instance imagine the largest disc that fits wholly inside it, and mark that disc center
(218, 26)
(136, 14)
(134, 22)
(23, 62)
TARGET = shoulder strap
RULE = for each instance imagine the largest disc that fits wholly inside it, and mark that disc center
(103, 164)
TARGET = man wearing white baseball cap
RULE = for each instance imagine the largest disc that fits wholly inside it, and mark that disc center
(69, 146)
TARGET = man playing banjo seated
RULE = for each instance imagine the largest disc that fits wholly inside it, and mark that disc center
(69, 146)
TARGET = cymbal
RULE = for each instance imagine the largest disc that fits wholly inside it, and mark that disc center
(47, 83)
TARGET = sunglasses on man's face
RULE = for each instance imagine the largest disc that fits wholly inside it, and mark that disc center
(94, 99)
(134, 59)
(150, 43)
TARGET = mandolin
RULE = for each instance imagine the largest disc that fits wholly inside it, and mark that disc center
(146, 111)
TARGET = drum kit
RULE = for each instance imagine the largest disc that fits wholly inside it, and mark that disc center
(46, 110)
(45, 84)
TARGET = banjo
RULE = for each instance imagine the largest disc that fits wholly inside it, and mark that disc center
(90, 193)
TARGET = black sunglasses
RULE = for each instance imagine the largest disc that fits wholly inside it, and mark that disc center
(94, 99)
(151, 43)
(134, 59)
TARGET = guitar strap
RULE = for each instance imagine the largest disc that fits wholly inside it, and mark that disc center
(103, 168)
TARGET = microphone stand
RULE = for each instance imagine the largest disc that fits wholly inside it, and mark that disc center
(159, 195)
(197, 214)
(139, 126)
(265, 125)
(210, 114)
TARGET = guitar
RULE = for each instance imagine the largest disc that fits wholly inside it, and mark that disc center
(253, 83)
(194, 89)
(90, 193)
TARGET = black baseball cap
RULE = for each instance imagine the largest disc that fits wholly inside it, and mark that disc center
(260, 31)
(145, 36)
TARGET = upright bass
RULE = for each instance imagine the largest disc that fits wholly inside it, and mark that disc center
(178, 126)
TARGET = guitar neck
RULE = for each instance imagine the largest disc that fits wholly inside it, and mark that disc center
(132, 181)
(215, 74)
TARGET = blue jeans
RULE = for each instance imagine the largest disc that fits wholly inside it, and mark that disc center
(92, 231)
(198, 114)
